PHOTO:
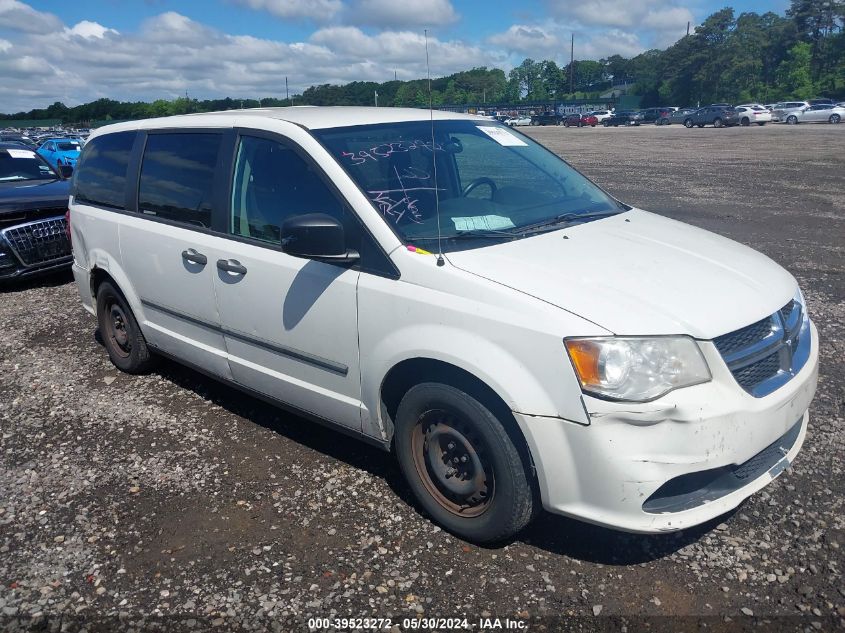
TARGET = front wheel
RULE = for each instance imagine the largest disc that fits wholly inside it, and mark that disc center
(461, 464)
(688, 123)
(120, 332)
(835, 118)
(717, 123)
(745, 122)
(761, 123)
(605, 124)
(792, 120)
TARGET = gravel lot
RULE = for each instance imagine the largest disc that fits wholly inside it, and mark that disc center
(170, 501)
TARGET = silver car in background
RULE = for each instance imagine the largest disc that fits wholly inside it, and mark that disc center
(783, 109)
(821, 113)
(677, 116)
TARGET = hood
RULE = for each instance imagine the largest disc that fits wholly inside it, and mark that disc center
(24, 195)
(638, 273)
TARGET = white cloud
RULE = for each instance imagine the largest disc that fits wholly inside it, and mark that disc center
(87, 30)
(171, 53)
(531, 41)
(397, 14)
(320, 10)
(18, 16)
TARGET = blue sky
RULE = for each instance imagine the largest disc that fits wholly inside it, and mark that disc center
(78, 50)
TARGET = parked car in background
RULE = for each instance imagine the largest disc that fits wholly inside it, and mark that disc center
(601, 115)
(588, 119)
(653, 115)
(33, 203)
(532, 385)
(715, 115)
(60, 151)
(546, 118)
(822, 113)
(518, 121)
(785, 108)
(821, 101)
(626, 117)
(753, 113)
(677, 116)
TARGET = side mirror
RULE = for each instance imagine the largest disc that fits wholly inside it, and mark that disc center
(316, 236)
(65, 171)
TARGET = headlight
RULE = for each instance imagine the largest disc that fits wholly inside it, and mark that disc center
(636, 369)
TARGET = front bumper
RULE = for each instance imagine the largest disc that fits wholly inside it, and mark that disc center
(606, 471)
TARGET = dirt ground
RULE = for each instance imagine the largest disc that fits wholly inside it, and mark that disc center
(171, 502)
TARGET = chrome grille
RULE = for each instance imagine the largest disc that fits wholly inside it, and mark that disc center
(40, 242)
(765, 355)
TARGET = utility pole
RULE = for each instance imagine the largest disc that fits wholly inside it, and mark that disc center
(687, 29)
(572, 64)
(287, 93)
(375, 94)
(395, 78)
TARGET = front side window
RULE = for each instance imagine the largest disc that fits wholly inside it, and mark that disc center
(489, 181)
(100, 177)
(177, 177)
(272, 183)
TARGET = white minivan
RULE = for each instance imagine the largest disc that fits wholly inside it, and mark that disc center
(452, 291)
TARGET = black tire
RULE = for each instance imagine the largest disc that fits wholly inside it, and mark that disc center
(462, 465)
(566, 124)
(761, 123)
(119, 330)
(605, 123)
(717, 122)
(834, 118)
(792, 120)
(745, 121)
(701, 125)
(688, 123)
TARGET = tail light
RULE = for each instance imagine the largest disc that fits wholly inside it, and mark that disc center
(67, 226)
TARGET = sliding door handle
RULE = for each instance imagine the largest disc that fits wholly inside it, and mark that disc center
(191, 255)
(231, 266)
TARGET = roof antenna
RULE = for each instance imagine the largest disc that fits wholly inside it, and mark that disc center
(440, 260)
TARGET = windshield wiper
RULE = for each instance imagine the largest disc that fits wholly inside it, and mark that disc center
(472, 233)
(565, 219)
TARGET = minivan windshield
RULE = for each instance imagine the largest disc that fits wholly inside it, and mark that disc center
(490, 181)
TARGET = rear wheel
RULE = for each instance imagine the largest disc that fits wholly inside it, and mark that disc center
(835, 118)
(119, 330)
(566, 124)
(688, 123)
(461, 463)
(745, 121)
(761, 123)
(717, 122)
(605, 124)
(791, 119)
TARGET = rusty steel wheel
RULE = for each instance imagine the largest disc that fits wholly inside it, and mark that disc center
(116, 334)
(120, 332)
(465, 460)
(450, 460)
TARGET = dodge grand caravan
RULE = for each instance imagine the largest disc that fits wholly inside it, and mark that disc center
(451, 291)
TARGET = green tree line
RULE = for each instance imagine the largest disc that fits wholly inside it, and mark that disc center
(731, 58)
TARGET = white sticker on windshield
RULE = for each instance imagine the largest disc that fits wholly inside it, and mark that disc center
(502, 137)
(21, 153)
(483, 223)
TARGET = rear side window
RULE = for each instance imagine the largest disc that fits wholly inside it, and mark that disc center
(177, 177)
(100, 177)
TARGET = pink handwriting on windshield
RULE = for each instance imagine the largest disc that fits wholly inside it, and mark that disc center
(402, 202)
(385, 150)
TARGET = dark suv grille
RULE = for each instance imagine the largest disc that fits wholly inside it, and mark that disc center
(740, 339)
(766, 354)
(40, 242)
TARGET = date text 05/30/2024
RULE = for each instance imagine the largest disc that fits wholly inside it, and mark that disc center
(412, 624)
